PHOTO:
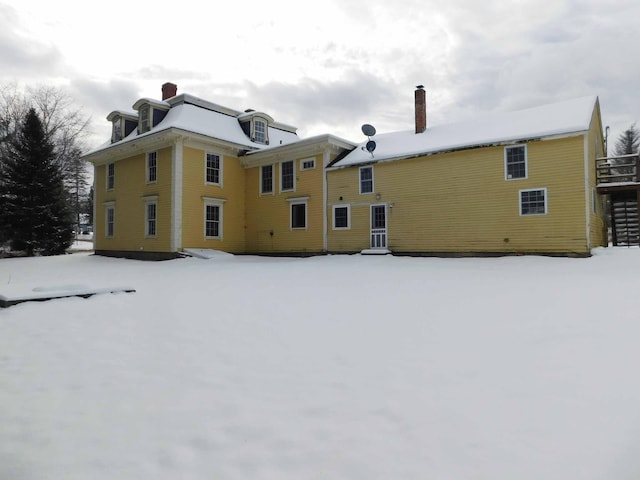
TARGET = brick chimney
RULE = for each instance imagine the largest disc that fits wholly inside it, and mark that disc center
(421, 109)
(169, 90)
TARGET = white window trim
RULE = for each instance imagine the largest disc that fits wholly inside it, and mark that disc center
(293, 164)
(273, 178)
(373, 183)
(299, 201)
(220, 173)
(109, 206)
(147, 167)
(254, 130)
(546, 202)
(147, 200)
(310, 159)
(107, 176)
(342, 205)
(116, 130)
(526, 162)
(215, 202)
(145, 125)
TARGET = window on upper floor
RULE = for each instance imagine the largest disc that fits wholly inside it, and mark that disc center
(111, 176)
(533, 202)
(152, 167)
(213, 169)
(259, 131)
(307, 164)
(341, 217)
(266, 179)
(515, 162)
(366, 179)
(116, 133)
(287, 176)
(144, 122)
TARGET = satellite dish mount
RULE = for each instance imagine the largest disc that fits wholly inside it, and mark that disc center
(369, 131)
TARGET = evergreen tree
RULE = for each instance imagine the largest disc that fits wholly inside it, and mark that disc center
(35, 213)
(628, 142)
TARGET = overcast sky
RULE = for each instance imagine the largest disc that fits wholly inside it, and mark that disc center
(330, 66)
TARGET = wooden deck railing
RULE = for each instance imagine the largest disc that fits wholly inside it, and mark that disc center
(621, 169)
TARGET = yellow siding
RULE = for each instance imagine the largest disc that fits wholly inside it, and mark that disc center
(268, 215)
(461, 202)
(195, 190)
(129, 196)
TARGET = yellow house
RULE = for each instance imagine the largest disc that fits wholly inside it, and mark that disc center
(518, 182)
(182, 174)
(186, 174)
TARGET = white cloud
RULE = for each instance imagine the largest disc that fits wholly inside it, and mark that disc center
(332, 66)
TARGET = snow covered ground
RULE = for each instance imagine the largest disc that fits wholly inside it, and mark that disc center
(338, 367)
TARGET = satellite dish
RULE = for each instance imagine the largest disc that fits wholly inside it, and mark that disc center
(371, 146)
(368, 130)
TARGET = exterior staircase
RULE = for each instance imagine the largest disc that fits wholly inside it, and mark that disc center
(619, 178)
(625, 228)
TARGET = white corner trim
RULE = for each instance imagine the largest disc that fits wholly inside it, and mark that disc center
(176, 194)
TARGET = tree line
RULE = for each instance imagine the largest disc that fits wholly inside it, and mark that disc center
(44, 184)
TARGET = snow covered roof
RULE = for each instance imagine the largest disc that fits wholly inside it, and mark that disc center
(202, 121)
(192, 114)
(562, 118)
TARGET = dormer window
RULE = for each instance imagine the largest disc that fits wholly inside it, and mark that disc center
(144, 125)
(260, 131)
(116, 135)
(150, 113)
(122, 124)
(256, 126)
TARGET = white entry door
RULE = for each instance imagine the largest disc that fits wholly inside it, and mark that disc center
(379, 226)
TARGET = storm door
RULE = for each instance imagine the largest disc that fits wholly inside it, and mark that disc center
(379, 226)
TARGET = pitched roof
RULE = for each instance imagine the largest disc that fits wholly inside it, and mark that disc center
(562, 118)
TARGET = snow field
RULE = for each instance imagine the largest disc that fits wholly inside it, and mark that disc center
(351, 367)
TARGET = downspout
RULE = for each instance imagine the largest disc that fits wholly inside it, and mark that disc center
(176, 195)
(95, 197)
(325, 162)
